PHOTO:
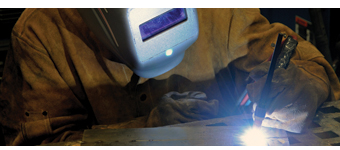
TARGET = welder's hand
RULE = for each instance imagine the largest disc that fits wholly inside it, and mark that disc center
(182, 107)
(295, 96)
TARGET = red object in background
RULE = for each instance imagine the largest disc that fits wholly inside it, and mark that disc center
(301, 21)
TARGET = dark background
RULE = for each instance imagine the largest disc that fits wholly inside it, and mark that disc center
(8, 17)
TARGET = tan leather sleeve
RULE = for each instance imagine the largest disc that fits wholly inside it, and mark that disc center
(40, 103)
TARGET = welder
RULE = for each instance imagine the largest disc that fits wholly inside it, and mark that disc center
(61, 78)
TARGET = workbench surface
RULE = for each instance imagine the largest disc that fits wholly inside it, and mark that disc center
(324, 131)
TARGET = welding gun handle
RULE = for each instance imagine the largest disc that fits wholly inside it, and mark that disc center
(281, 61)
(260, 111)
(288, 48)
(266, 89)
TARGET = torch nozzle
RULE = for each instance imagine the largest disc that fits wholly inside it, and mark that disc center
(257, 123)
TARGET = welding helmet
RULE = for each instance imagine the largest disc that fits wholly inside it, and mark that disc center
(150, 41)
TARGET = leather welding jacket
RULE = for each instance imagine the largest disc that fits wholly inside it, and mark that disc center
(57, 79)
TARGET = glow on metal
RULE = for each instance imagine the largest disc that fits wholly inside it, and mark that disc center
(254, 137)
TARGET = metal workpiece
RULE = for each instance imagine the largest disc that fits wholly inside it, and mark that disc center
(215, 132)
(176, 136)
(323, 131)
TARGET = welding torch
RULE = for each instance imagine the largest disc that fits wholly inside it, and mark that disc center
(280, 59)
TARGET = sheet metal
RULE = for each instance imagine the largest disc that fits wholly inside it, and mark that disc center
(176, 136)
(323, 131)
